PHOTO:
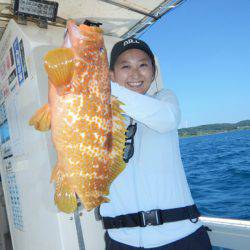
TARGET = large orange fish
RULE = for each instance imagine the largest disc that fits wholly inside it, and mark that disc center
(87, 125)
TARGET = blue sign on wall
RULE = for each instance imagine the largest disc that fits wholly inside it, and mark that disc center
(18, 60)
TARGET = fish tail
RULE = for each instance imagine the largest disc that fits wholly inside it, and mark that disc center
(41, 120)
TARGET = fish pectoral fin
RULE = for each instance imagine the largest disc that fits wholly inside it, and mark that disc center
(41, 120)
(59, 64)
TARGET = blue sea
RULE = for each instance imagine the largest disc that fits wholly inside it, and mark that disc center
(218, 172)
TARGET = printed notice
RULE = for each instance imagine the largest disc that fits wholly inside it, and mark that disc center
(12, 80)
(4, 127)
(14, 126)
(11, 57)
(18, 61)
(13, 194)
(25, 71)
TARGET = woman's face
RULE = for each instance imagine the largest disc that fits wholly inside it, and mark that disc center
(134, 70)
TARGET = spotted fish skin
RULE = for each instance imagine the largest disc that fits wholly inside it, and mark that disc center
(87, 125)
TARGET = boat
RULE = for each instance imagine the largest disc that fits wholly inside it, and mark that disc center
(27, 32)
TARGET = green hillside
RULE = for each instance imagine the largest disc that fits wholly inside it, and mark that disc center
(213, 128)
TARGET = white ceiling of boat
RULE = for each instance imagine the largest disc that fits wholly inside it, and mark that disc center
(115, 20)
(118, 16)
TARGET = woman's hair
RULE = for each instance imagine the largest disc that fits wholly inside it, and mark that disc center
(155, 70)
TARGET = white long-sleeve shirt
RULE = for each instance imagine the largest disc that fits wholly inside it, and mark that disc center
(154, 177)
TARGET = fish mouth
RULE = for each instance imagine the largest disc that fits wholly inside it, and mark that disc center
(135, 84)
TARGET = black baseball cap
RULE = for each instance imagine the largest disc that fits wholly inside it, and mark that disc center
(129, 43)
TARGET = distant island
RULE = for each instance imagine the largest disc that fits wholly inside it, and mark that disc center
(214, 128)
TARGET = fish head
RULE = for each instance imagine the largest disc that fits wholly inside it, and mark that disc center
(81, 65)
(91, 71)
(86, 41)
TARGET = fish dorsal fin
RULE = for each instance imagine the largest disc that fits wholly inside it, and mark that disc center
(59, 64)
(118, 132)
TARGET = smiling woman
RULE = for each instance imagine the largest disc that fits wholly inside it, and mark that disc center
(152, 190)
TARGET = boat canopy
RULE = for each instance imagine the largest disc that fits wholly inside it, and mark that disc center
(120, 18)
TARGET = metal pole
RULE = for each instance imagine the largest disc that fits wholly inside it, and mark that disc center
(79, 229)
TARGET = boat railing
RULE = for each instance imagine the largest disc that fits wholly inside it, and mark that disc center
(228, 233)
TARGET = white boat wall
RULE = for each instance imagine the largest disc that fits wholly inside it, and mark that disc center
(228, 233)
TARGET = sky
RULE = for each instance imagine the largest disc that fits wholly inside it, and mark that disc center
(204, 52)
